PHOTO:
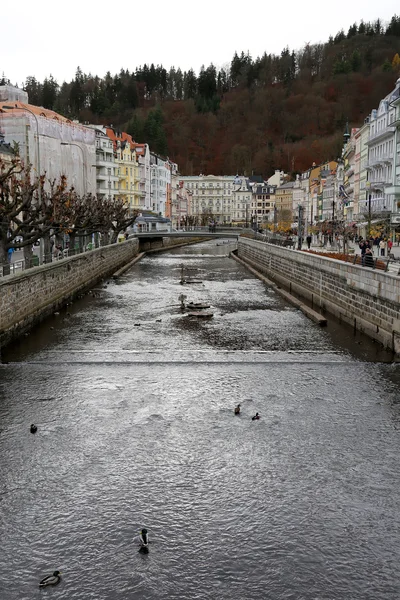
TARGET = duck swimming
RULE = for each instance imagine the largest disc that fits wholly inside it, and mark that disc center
(51, 579)
(144, 541)
(33, 428)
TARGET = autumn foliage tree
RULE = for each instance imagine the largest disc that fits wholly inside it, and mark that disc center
(280, 111)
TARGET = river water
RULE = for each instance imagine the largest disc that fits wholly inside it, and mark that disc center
(134, 406)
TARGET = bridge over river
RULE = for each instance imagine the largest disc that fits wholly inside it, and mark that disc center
(134, 399)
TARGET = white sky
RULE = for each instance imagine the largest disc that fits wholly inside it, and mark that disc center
(46, 37)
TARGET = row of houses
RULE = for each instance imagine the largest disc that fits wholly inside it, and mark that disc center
(360, 189)
(362, 186)
(95, 159)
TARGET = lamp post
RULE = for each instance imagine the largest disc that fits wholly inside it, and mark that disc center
(83, 163)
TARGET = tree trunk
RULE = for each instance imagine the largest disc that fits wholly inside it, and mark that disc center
(28, 256)
(72, 238)
(46, 248)
(3, 251)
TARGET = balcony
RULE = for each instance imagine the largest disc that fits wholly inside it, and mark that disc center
(379, 185)
(378, 135)
(380, 160)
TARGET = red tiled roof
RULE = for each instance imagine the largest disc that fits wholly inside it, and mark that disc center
(37, 110)
(124, 137)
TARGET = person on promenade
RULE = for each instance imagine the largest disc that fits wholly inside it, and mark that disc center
(382, 246)
(389, 245)
(363, 249)
(309, 240)
(9, 254)
(368, 258)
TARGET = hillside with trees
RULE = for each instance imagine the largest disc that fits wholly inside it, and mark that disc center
(256, 115)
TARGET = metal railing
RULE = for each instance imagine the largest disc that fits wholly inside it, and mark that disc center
(17, 266)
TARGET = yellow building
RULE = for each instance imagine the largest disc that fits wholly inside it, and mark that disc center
(128, 168)
(284, 205)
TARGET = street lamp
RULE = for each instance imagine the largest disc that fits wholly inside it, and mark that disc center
(83, 162)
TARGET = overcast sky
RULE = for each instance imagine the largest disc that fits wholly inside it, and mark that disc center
(44, 37)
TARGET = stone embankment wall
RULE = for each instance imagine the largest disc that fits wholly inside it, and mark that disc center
(29, 297)
(367, 299)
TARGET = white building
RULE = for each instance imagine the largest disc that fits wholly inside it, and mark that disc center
(394, 189)
(360, 172)
(48, 141)
(143, 158)
(107, 180)
(277, 179)
(346, 192)
(180, 203)
(381, 156)
(211, 197)
(240, 204)
(160, 181)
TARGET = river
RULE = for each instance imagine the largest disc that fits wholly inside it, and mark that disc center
(134, 402)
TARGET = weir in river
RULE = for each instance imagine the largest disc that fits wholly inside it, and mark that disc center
(134, 404)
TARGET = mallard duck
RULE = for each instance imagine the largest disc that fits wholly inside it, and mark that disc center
(51, 579)
(33, 428)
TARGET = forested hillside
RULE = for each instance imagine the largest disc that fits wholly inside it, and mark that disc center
(254, 116)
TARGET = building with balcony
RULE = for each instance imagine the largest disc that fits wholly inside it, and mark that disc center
(143, 159)
(346, 188)
(172, 190)
(394, 189)
(301, 197)
(212, 197)
(284, 203)
(381, 157)
(180, 213)
(160, 181)
(360, 172)
(242, 211)
(107, 180)
(127, 168)
(262, 204)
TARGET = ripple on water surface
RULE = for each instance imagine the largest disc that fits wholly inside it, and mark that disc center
(136, 428)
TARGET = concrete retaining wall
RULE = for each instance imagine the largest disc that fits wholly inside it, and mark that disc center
(368, 300)
(30, 296)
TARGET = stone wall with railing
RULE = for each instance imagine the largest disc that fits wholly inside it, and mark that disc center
(33, 294)
(30, 296)
(367, 299)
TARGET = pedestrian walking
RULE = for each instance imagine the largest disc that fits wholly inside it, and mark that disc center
(9, 254)
(363, 249)
(368, 258)
(390, 246)
(309, 240)
(382, 246)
